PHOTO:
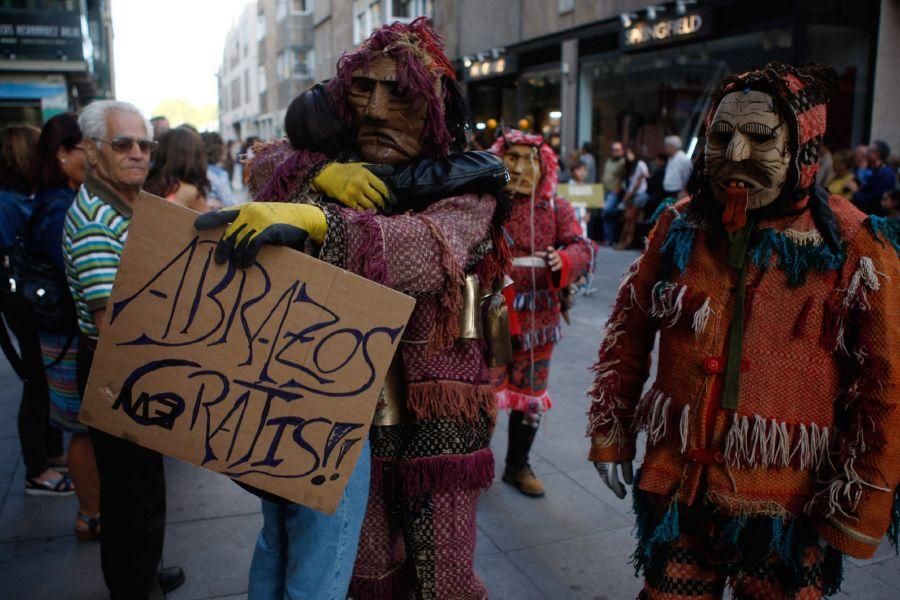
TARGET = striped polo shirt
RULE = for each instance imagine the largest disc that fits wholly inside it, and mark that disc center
(93, 238)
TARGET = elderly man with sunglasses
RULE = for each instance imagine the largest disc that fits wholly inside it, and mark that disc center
(117, 142)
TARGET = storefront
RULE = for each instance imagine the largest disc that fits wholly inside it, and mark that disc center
(638, 80)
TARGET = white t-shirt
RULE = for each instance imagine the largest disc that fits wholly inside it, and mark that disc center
(678, 171)
(640, 172)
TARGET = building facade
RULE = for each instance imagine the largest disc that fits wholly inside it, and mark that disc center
(238, 81)
(298, 42)
(583, 71)
(55, 55)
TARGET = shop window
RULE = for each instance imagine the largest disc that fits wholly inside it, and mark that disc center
(301, 7)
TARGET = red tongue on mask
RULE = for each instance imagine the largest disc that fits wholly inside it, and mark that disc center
(735, 216)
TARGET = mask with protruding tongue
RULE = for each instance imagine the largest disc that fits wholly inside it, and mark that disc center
(737, 194)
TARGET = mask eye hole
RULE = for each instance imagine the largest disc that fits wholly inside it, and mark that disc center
(721, 132)
(362, 85)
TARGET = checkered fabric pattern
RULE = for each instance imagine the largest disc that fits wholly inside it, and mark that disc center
(693, 572)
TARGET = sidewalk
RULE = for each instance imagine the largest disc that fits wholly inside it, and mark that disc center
(572, 544)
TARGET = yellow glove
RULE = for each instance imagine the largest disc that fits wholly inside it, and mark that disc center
(355, 185)
(258, 223)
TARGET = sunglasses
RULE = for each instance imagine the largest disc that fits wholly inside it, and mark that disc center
(123, 143)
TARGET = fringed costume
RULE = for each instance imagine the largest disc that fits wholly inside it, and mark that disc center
(537, 222)
(430, 438)
(751, 459)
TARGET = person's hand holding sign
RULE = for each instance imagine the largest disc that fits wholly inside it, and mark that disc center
(258, 223)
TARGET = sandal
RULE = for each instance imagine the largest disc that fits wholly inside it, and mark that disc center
(87, 529)
(56, 487)
(60, 465)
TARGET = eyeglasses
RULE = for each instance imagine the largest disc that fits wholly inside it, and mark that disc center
(123, 143)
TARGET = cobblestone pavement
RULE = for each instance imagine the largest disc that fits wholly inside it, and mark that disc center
(572, 544)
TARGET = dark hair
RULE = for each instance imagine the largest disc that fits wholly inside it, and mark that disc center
(311, 124)
(17, 144)
(586, 147)
(61, 131)
(884, 151)
(894, 195)
(180, 157)
(578, 164)
(215, 147)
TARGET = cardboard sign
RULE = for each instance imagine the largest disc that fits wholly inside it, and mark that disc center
(269, 375)
(591, 194)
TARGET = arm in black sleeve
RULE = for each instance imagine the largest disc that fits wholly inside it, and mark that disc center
(422, 182)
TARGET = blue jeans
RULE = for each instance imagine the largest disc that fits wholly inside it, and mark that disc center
(302, 554)
(611, 212)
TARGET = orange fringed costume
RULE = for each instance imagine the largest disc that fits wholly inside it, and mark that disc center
(813, 448)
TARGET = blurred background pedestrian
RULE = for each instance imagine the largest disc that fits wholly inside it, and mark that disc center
(219, 180)
(58, 170)
(42, 445)
(178, 170)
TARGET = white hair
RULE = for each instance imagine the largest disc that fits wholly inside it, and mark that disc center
(92, 121)
(673, 141)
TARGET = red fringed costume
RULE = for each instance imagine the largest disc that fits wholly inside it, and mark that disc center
(534, 225)
(813, 448)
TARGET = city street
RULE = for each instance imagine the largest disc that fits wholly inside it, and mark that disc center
(572, 544)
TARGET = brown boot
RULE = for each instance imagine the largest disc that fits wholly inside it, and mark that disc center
(525, 481)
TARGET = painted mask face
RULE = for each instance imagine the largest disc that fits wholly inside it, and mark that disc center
(524, 166)
(747, 153)
(390, 123)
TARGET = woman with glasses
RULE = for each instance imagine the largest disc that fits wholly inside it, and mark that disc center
(58, 168)
(178, 170)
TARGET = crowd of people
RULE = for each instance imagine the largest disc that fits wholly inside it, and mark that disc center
(635, 186)
(441, 220)
(60, 246)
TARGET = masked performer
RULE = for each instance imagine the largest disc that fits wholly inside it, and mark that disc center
(431, 433)
(549, 254)
(771, 427)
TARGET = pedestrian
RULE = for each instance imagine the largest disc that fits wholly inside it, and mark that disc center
(862, 170)
(579, 172)
(759, 475)
(635, 197)
(882, 179)
(548, 255)
(58, 170)
(178, 172)
(843, 182)
(160, 126)
(42, 445)
(890, 206)
(678, 168)
(219, 180)
(590, 163)
(613, 179)
(117, 143)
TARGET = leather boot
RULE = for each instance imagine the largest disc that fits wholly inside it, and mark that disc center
(518, 472)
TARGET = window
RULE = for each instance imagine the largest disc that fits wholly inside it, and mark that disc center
(367, 17)
(407, 10)
(295, 63)
(281, 9)
(261, 26)
(261, 76)
(301, 7)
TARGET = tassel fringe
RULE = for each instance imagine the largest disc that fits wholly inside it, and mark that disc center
(753, 442)
(433, 474)
(449, 400)
(653, 414)
(512, 400)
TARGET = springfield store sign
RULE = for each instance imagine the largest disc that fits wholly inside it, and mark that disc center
(644, 33)
(36, 35)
